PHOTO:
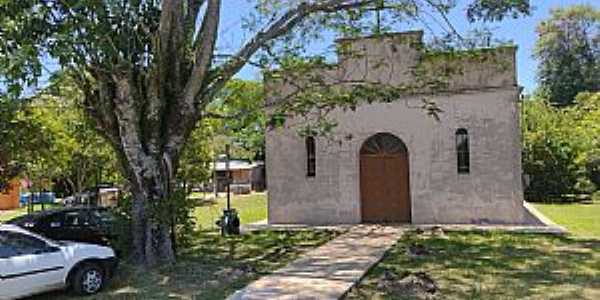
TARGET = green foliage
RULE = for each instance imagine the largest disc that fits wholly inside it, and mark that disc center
(593, 167)
(242, 107)
(78, 155)
(236, 117)
(596, 196)
(496, 10)
(121, 227)
(72, 32)
(568, 48)
(561, 147)
(24, 139)
(182, 217)
(177, 212)
(48, 139)
(194, 163)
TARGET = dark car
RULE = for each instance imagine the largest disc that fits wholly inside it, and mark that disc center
(88, 225)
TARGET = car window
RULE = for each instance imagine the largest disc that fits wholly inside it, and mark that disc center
(76, 218)
(6, 249)
(54, 220)
(101, 217)
(14, 243)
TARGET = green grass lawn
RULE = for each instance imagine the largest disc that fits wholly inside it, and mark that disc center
(492, 265)
(582, 220)
(251, 208)
(212, 268)
(496, 265)
(7, 215)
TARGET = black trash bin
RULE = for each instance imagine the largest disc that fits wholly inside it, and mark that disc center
(229, 222)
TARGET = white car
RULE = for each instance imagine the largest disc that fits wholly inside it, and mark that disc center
(31, 264)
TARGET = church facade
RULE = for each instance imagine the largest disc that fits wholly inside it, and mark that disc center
(394, 162)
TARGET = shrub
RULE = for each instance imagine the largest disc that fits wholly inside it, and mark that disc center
(561, 147)
(176, 211)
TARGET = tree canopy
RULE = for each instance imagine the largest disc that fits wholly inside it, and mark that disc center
(24, 139)
(568, 48)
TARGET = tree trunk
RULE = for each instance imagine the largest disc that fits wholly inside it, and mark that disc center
(150, 229)
(146, 157)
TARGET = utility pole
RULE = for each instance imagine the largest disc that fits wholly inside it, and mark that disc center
(228, 174)
(215, 177)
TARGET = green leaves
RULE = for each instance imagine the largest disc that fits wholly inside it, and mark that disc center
(561, 147)
(568, 48)
(74, 33)
(497, 10)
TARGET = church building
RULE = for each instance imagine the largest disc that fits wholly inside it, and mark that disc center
(395, 162)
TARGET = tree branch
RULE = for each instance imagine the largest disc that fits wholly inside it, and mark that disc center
(276, 29)
(181, 120)
(191, 16)
(444, 16)
(204, 47)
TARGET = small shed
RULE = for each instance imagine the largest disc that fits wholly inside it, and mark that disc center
(108, 196)
(245, 176)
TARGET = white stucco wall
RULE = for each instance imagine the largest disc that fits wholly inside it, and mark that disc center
(490, 193)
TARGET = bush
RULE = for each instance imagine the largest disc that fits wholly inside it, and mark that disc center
(183, 218)
(593, 168)
(561, 145)
(121, 227)
(550, 166)
(596, 196)
(176, 210)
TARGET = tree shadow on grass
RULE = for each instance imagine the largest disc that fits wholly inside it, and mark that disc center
(495, 265)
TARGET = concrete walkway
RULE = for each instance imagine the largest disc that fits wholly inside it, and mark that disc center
(329, 271)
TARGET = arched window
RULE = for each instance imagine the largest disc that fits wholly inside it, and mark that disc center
(311, 158)
(462, 151)
(383, 144)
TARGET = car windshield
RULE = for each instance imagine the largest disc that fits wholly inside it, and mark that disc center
(56, 242)
(60, 243)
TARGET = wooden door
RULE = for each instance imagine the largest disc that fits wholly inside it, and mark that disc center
(384, 183)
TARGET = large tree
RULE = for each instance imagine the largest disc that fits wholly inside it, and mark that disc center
(568, 48)
(23, 140)
(148, 69)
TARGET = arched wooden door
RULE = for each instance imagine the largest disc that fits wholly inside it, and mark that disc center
(384, 182)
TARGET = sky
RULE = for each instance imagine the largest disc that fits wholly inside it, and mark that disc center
(520, 31)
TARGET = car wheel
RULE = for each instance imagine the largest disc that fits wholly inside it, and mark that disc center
(88, 279)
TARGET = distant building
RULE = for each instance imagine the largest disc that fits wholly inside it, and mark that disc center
(108, 196)
(9, 196)
(245, 176)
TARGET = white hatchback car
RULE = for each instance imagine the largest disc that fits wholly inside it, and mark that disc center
(31, 264)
